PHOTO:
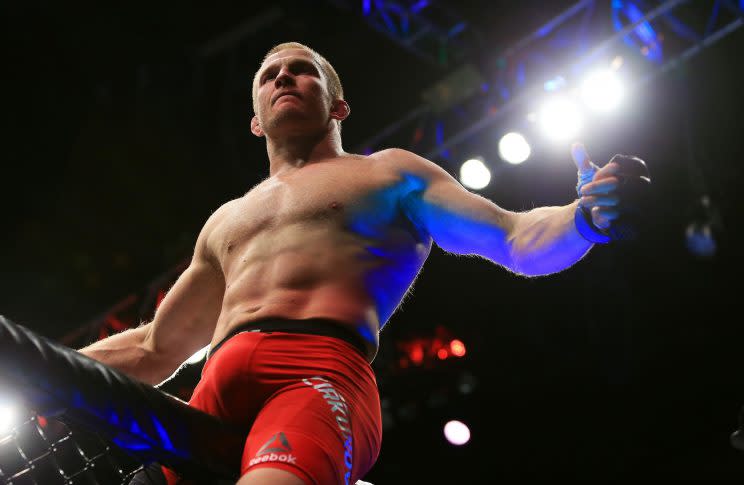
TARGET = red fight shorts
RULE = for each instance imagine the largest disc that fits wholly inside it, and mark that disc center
(311, 403)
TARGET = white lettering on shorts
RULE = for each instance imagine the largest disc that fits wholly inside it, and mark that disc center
(340, 412)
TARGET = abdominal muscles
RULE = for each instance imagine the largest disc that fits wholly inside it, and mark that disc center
(311, 269)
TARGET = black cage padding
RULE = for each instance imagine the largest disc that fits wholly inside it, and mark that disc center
(149, 424)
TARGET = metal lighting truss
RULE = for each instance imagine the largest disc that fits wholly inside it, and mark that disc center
(427, 28)
(650, 37)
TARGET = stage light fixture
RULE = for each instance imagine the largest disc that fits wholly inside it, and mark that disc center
(456, 432)
(474, 174)
(8, 417)
(513, 148)
(560, 119)
(700, 240)
(602, 91)
(700, 234)
(417, 354)
(457, 348)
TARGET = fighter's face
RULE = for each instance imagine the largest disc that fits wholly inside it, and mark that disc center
(291, 93)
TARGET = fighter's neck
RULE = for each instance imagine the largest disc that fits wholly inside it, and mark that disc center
(292, 153)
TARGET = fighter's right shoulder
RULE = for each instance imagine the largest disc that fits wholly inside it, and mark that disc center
(216, 216)
(205, 242)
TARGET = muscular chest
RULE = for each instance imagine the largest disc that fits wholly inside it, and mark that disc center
(339, 197)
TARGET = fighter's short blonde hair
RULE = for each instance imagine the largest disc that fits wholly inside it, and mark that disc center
(334, 82)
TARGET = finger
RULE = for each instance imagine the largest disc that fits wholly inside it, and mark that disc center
(581, 158)
(604, 186)
(599, 201)
(602, 217)
(607, 171)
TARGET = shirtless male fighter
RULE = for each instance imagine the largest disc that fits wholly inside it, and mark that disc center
(291, 283)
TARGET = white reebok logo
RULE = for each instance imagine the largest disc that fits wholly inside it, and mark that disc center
(277, 448)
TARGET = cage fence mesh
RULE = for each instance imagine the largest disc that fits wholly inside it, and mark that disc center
(47, 451)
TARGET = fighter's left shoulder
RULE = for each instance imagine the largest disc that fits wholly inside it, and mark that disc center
(404, 162)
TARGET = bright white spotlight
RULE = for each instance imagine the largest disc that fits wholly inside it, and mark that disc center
(474, 174)
(8, 416)
(560, 119)
(602, 91)
(456, 432)
(513, 148)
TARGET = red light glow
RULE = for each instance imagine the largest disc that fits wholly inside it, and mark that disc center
(417, 355)
(457, 348)
(442, 354)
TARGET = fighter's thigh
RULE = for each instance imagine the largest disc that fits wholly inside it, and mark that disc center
(270, 476)
(305, 431)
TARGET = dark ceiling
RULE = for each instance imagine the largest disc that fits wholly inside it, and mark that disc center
(122, 137)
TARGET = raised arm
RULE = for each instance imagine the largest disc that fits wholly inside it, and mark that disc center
(537, 242)
(183, 323)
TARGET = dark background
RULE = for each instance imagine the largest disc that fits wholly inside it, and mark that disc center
(121, 139)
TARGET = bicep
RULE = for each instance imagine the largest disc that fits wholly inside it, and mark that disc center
(186, 318)
(458, 220)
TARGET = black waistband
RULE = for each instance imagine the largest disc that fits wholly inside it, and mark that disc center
(312, 326)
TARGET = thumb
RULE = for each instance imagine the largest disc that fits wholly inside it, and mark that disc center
(584, 165)
(581, 159)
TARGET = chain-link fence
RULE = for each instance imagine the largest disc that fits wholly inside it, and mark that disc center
(45, 451)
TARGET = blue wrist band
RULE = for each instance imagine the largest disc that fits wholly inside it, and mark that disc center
(587, 229)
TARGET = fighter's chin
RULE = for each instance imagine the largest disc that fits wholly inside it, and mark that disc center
(292, 121)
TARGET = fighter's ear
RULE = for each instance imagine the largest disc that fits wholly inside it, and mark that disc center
(340, 109)
(256, 127)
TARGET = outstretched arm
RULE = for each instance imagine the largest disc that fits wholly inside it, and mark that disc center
(537, 242)
(183, 323)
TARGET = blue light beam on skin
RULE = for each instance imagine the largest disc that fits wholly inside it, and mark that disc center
(457, 233)
(398, 222)
(366, 333)
(389, 282)
(395, 250)
(478, 230)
